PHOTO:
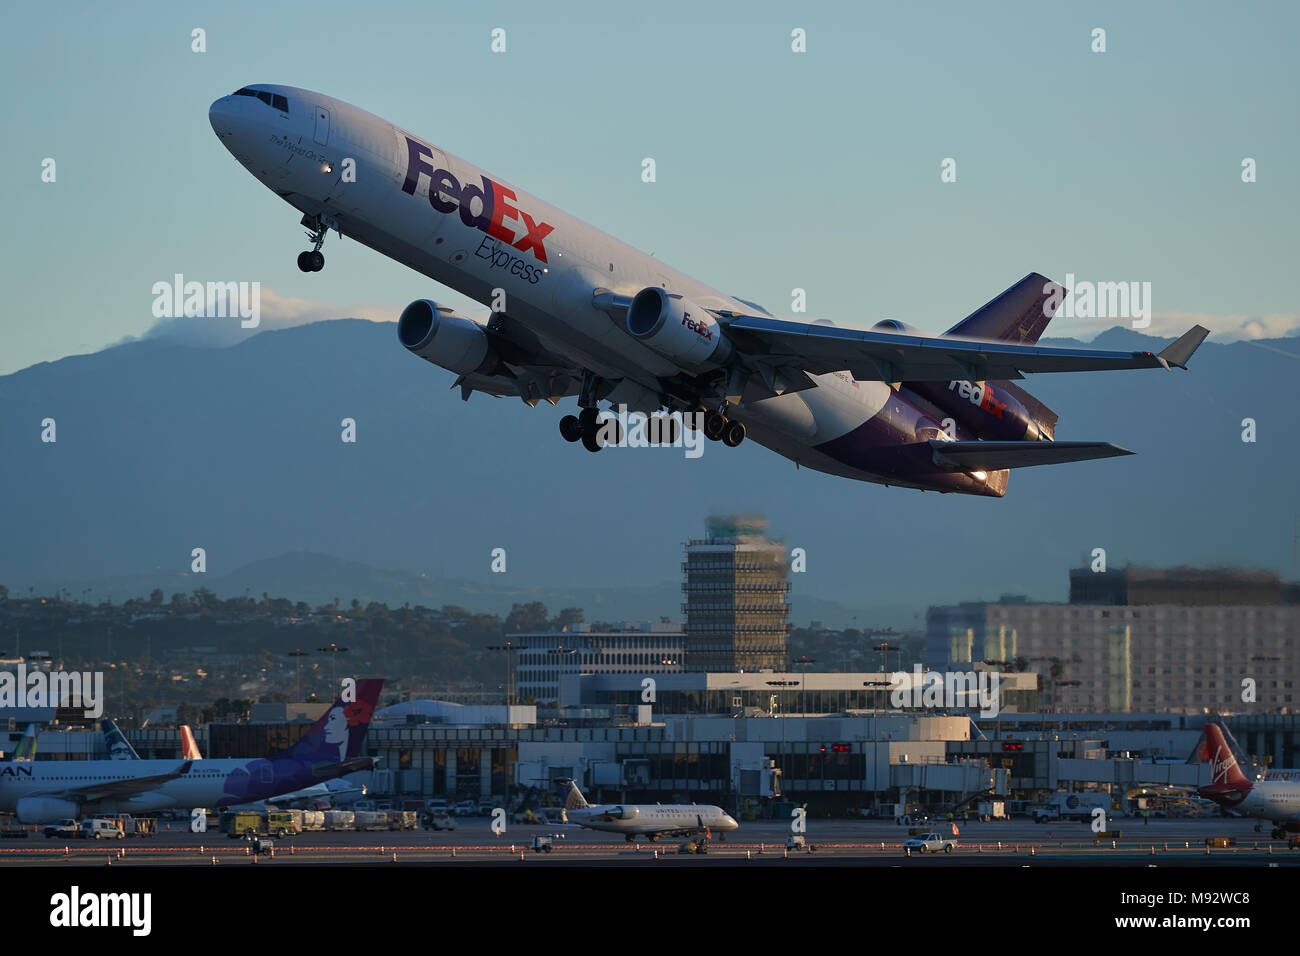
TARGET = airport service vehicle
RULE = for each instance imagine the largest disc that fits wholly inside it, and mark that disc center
(12, 830)
(577, 313)
(797, 841)
(41, 791)
(96, 829)
(989, 810)
(649, 820)
(930, 843)
(1274, 800)
(62, 828)
(131, 826)
(276, 823)
(438, 820)
(465, 808)
(1073, 806)
(542, 844)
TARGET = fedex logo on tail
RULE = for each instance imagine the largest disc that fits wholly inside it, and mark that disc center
(495, 203)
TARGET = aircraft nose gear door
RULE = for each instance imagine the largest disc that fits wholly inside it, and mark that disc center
(322, 125)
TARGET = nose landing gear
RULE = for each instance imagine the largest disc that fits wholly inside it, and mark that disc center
(314, 260)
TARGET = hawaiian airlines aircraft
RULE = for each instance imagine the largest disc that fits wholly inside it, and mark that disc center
(575, 312)
(651, 820)
(44, 791)
(1274, 800)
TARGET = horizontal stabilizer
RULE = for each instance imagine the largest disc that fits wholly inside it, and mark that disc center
(997, 455)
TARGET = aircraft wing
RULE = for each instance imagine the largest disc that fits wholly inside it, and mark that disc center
(123, 788)
(901, 357)
(997, 455)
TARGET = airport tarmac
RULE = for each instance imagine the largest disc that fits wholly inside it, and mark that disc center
(835, 842)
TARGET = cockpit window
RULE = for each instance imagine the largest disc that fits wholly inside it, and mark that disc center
(273, 100)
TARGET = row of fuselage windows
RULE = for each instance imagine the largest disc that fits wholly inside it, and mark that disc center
(274, 100)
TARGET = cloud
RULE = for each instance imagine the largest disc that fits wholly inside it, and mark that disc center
(276, 312)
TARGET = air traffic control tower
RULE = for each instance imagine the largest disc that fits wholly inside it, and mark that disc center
(737, 615)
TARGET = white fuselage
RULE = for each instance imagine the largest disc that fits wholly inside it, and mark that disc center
(207, 783)
(637, 819)
(1277, 800)
(547, 263)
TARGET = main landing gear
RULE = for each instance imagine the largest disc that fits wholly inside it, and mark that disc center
(718, 427)
(313, 261)
(586, 428)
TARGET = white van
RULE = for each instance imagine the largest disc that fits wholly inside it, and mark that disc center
(101, 830)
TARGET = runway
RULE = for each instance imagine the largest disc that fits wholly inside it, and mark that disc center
(1179, 843)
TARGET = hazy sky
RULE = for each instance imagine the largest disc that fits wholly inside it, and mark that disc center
(776, 170)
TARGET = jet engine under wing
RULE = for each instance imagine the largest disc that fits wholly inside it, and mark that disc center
(894, 357)
(123, 788)
(997, 455)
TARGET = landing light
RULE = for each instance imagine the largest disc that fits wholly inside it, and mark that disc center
(327, 168)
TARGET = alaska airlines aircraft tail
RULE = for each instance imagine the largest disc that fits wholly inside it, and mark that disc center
(574, 800)
(341, 731)
(119, 748)
(189, 746)
(26, 749)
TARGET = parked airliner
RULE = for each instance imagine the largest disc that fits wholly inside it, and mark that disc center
(578, 313)
(42, 791)
(651, 820)
(1275, 800)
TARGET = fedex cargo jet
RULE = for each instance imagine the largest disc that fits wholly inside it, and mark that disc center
(578, 313)
(1275, 800)
(44, 791)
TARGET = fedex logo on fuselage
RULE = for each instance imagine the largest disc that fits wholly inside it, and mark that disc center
(702, 329)
(981, 396)
(494, 198)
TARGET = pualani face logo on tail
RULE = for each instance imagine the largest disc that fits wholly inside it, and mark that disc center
(494, 198)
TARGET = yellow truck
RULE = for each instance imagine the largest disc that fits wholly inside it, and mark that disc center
(250, 823)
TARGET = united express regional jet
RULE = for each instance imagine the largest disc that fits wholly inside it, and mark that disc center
(578, 313)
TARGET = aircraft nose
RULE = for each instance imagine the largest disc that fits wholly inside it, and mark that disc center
(221, 114)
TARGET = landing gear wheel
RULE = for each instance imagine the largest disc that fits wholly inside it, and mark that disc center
(304, 261)
(571, 428)
(316, 260)
(587, 421)
(715, 423)
(733, 434)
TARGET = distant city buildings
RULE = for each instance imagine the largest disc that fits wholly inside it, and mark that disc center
(1138, 639)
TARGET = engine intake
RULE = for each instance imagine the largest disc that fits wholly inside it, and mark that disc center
(677, 329)
(444, 337)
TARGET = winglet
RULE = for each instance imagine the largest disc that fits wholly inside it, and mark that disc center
(1181, 350)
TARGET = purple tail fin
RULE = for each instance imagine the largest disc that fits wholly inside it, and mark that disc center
(1018, 315)
(341, 731)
